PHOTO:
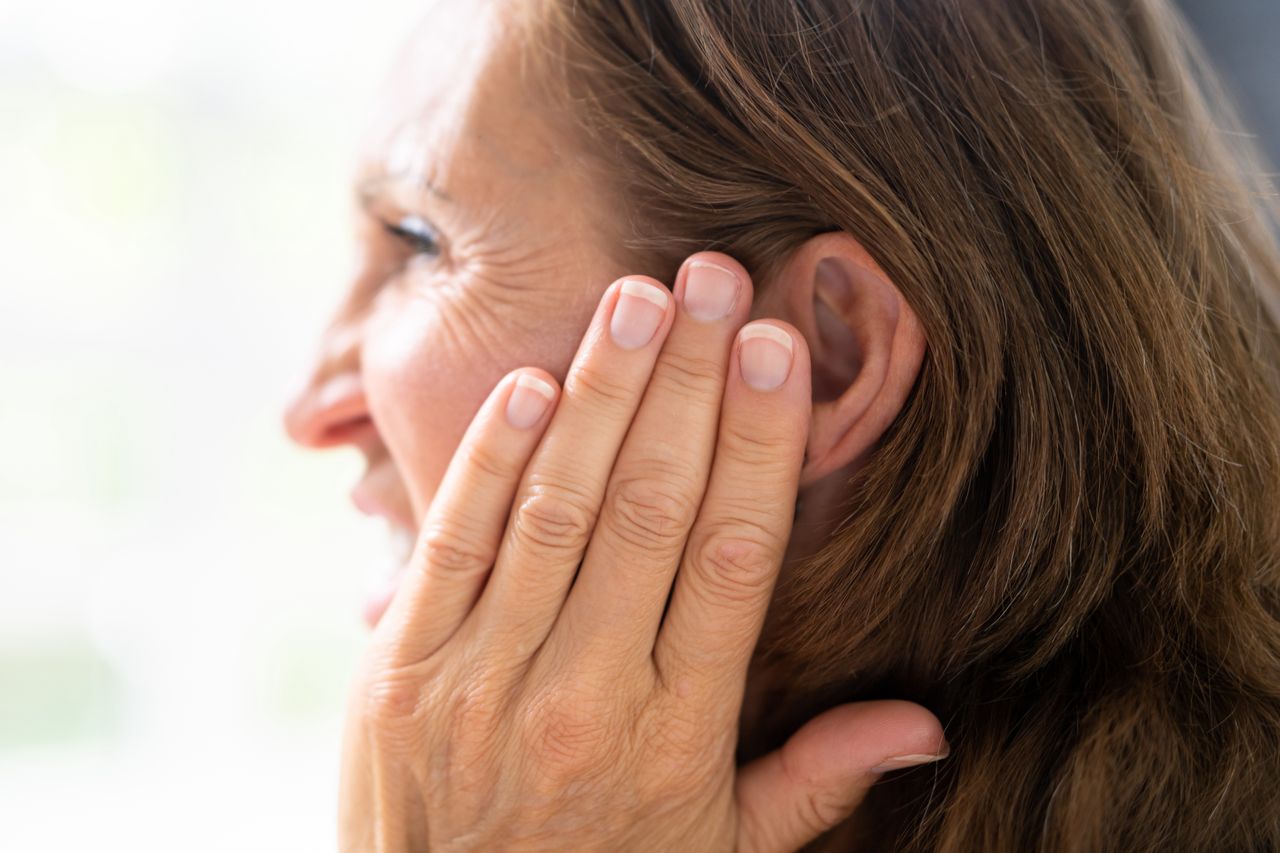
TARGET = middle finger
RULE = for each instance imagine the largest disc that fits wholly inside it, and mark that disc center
(661, 473)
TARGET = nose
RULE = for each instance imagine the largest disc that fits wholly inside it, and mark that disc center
(330, 408)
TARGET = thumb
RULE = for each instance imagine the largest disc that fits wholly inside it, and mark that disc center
(820, 775)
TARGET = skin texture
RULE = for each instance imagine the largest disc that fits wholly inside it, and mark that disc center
(506, 285)
(510, 699)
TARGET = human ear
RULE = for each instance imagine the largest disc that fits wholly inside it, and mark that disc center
(865, 342)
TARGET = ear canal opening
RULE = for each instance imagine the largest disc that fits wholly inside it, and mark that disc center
(839, 354)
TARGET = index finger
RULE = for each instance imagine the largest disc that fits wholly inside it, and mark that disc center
(458, 542)
(735, 549)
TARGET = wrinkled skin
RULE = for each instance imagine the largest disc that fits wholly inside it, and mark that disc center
(510, 699)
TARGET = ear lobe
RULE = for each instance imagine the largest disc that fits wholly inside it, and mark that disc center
(866, 347)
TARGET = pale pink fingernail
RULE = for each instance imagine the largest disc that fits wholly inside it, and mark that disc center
(764, 355)
(528, 400)
(637, 314)
(710, 291)
(913, 760)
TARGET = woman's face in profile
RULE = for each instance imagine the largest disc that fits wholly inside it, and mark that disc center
(481, 248)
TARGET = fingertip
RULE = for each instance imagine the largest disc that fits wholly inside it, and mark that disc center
(863, 737)
(537, 379)
(713, 287)
(717, 259)
(771, 355)
(532, 393)
(641, 311)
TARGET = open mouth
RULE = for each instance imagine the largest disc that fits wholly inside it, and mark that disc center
(379, 495)
(401, 542)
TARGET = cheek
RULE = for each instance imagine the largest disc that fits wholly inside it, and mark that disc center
(430, 361)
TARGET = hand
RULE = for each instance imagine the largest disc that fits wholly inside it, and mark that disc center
(530, 687)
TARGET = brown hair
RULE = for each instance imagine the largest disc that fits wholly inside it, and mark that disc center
(1068, 544)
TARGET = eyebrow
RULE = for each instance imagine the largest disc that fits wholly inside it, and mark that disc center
(374, 187)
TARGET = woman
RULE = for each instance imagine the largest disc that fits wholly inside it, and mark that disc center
(947, 332)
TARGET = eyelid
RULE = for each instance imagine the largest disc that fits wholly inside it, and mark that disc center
(416, 242)
(413, 222)
(417, 233)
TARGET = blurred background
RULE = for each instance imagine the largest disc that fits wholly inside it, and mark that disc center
(180, 589)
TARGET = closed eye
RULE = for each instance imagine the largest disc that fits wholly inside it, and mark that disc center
(416, 233)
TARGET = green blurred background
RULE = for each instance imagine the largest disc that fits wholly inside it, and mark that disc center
(180, 589)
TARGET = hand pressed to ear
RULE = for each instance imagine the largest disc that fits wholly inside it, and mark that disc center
(530, 687)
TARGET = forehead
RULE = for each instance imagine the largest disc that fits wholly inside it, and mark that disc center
(462, 106)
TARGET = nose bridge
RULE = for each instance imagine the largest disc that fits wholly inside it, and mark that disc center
(340, 345)
(332, 393)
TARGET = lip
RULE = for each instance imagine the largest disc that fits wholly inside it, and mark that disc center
(370, 496)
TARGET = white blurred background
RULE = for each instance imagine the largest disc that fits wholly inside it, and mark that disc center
(180, 589)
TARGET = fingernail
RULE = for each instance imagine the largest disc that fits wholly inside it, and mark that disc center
(637, 314)
(528, 400)
(765, 355)
(914, 760)
(710, 291)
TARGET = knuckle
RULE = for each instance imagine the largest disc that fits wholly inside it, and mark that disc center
(571, 737)
(393, 703)
(425, 711)
(751, 512)
(489, 462)
(554, 518)
(446, 551)
(765, 452)
(688, 374)
(737, 564)
(823, 809)
(677, 754)
(647, 511)
(475, 716)
(820, 807)
(599, 386)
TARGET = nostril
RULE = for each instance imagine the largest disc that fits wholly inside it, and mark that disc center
(329, 413)
(351, 431)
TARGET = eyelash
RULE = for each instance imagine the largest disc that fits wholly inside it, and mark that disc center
(417, 234)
